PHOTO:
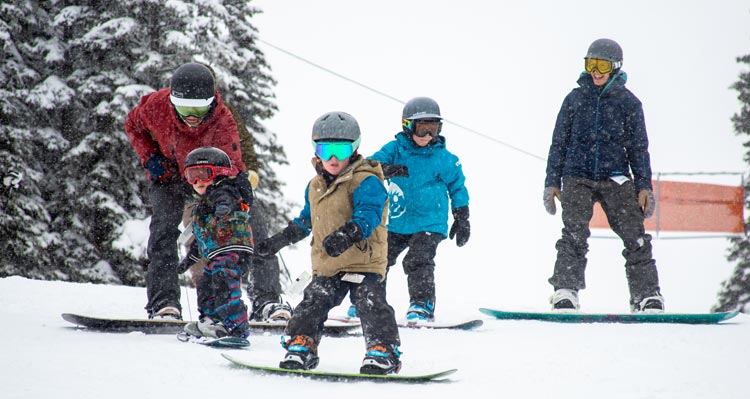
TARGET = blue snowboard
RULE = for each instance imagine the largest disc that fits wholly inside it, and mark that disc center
(577, 317)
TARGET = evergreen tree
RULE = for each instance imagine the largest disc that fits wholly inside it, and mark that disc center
(735, 292)
(73, 71)
(29, 91)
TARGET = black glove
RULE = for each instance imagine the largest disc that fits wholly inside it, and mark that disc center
(159, 168)
(291, 234)
(343, 238)
(223, 196)
(190, 259)
(393, 170)
(461, 228)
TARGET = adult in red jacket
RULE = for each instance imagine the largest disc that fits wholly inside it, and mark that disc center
(164, 127)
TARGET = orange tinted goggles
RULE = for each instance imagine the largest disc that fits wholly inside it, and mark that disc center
(205, 173)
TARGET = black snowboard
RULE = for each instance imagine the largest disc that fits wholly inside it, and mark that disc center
(175, 326)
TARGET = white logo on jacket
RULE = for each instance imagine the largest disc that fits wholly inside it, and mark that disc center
(396, 202)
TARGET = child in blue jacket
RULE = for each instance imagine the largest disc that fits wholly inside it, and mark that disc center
(423, 175)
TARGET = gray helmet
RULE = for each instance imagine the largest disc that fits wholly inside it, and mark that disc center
(605, 49)
(192, 85)
(421, 108)
(336, 126)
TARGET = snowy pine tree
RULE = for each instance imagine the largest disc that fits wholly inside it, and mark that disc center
(72, 74)
(31, 54)
(735, 292)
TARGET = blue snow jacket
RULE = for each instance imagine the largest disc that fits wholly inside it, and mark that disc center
(600, 133)
(419, 202)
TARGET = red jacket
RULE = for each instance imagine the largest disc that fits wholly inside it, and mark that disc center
(154, 127)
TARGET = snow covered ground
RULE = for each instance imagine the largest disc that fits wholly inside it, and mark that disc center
(45, 357)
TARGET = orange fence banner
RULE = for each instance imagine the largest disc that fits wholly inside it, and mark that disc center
(690, 207)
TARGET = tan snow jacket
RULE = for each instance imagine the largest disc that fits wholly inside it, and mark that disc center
(330, 208)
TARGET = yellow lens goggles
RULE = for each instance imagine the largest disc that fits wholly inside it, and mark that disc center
(603, 66)
(192, 111)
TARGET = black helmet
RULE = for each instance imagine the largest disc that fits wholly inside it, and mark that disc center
(336, 126)
(192, 85)
(208, 156)
(419, 108)
(605, 49)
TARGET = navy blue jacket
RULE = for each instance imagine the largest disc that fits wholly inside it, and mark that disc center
(600, 133)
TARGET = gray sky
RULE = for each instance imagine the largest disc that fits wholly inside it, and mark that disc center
(503, 68)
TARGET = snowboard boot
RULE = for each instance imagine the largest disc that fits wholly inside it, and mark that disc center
(381, 359)
(191, 330)
(273, 312)
(565, 300)
(651, 304)
(167, 313)
(211, 328)
(420, 312)
(301, 353)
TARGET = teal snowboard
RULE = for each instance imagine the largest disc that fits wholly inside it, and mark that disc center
(577, 317)
(342, 377)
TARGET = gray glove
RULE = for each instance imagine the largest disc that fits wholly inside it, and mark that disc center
(549, 199)
(647, 202)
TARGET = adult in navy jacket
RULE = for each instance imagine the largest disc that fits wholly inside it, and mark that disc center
(599, 139)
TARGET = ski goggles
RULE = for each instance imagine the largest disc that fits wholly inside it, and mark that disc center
(198, 112)
(339, 149)
(205, 173)
(423, 127)
(603, 66)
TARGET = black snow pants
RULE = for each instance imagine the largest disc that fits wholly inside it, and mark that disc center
(418, 263)
(324, 293)
(620, 204)
(167, 201)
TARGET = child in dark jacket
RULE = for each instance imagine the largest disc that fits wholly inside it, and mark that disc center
(223, 237)
(345, 213)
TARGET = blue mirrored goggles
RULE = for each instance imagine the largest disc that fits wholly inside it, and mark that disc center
(339, 149)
